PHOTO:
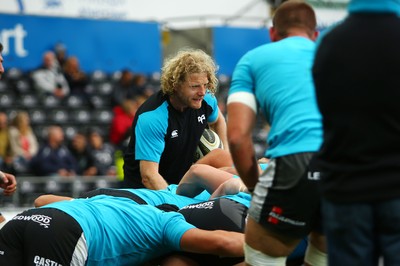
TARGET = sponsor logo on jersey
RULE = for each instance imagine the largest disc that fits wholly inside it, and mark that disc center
(174, 134)
(42, 220)
(276, 215)
(40, 261)
(201, 118)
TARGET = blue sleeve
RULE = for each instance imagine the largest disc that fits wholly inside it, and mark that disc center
(175, 227)
(213, 103)
(150, 133)
(242, 78)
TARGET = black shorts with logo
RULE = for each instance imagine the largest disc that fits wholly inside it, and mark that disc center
(218, 214)
(286, 200)
(43, 236)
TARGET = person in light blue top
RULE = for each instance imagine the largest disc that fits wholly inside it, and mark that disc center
(276, 79)
(106, 230)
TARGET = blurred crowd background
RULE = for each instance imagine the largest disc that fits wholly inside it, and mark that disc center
(77, 72)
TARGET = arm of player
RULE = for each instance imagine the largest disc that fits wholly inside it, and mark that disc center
(241, 121)
(151, 179)
(217, 242)
(219, 127)
(47, 199)
(201, 177)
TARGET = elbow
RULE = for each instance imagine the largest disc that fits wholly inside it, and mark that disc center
(235, 140)
(39, 201)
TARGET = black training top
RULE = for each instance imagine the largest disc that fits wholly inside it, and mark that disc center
(166, 136)
(357, 79)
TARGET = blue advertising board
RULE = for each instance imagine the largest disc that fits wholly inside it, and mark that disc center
(230, 44)
(99, 44)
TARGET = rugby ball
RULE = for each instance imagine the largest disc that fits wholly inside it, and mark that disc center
(209, 141)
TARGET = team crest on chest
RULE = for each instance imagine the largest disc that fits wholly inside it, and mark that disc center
(201, 118)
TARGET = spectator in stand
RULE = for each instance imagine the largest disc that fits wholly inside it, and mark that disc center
(24, 144)
(122, 122)
(275, 78)
(76, 78)
(53, 158)
(6, 158)
(80, 150)
(49, 79)
(141, 86)
(124, 88)
(102, 152)
(60, 51)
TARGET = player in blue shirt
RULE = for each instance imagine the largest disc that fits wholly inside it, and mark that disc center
(276, 79)
(105, 230)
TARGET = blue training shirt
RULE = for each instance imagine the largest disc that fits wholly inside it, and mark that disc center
(119, 231)
(157, 197)
(279, 75)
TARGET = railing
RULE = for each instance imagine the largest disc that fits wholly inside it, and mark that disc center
(29, 188)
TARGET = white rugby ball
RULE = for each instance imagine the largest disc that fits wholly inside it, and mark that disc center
(208, 142)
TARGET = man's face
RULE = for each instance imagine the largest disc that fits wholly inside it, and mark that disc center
(1, 66)
(191, 92)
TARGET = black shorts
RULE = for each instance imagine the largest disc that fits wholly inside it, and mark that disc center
(219, 214)
(42, 236)
(286, 199)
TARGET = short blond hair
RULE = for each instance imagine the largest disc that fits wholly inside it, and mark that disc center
(177, 68)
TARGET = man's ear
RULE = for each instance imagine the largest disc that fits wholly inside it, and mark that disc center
(315, 35)
(273, 34)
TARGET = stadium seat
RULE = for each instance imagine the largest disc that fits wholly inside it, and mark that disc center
(100, 101)
(80, 116)
(3, 86)
(23, 86)
(104, 88)
(74, 101)
(50, 101)
(98, 76)
(29, 100)
(13, 74)
(103, 116)
(59, 116)
(37, 116)
(6, 99)
(70, 131)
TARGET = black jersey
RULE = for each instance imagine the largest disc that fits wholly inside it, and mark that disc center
(356, 74)
(166, 136)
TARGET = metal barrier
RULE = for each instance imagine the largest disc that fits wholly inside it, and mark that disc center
(29, 188)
